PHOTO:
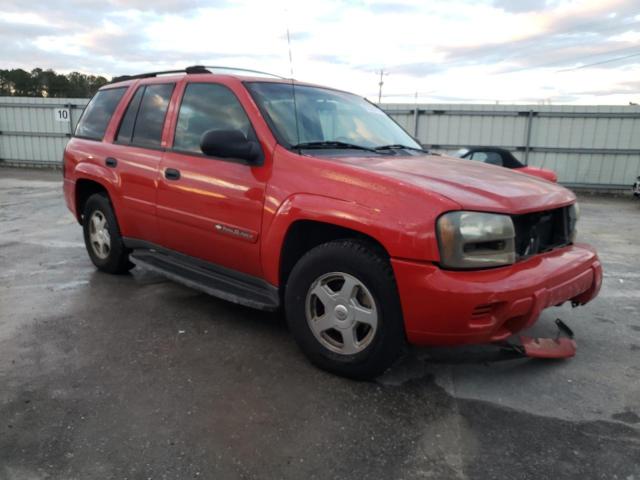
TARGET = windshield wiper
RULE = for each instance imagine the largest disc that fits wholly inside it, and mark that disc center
(397, 146)
(332, 144)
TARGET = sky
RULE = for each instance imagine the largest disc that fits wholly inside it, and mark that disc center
(452, 51)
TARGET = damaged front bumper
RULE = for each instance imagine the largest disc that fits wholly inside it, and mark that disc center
(444, 307)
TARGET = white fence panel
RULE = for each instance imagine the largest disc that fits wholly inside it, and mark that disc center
(593, 146)
(597, 146)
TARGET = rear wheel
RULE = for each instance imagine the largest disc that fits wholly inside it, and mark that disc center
(343, 309)
(102, 236)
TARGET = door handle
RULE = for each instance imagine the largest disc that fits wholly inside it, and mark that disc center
(172, 174)
(111, 162)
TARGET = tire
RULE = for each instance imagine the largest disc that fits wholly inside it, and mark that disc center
(334, 296)
(102, 236)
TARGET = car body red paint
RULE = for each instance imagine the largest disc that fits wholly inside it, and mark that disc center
(395, 200)
(543, 173)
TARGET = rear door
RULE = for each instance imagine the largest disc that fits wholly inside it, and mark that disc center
(136, 155)
(210, 208)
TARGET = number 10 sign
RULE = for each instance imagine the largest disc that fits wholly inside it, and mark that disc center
(62, 114)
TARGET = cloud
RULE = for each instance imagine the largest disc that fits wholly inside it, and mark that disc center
(420, 69)
(566, 39)
(394, 8)
(167, 6)
(519, 6)
(465, 49)
(296, 36)
(632, 87)
(14, 31)
(328, 58)
(101, 6)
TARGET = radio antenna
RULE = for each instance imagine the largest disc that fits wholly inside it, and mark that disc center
(293, 87)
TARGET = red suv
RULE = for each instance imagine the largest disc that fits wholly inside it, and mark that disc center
(272, 193)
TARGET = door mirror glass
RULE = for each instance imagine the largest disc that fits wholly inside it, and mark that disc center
(230, 144)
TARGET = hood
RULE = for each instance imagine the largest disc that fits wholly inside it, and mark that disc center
(472, 185)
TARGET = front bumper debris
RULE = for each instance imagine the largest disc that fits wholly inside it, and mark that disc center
(559, 347)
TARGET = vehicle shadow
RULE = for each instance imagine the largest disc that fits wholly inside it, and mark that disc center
(162, 308)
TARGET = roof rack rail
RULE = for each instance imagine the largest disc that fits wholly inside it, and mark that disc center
(247, 70)
(194, 69)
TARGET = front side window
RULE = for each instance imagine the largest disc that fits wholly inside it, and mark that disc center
(208, 106)
(325, 115)
(98, 112)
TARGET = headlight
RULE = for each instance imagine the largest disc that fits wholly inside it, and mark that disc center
(574, 216)
(476, 240)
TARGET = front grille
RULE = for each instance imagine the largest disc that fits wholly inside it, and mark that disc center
(541, 231)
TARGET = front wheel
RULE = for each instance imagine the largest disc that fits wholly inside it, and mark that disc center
(343, 309)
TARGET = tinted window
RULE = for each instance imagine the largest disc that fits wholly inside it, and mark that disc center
(147, 130)
(98, 112)
(206, 106)
(126, 127)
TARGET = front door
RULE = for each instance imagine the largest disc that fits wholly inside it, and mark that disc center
(136, 155)
(207, 207)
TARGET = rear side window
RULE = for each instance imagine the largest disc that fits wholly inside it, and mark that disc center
(98, 112)
(143, 121)
(207, 106)
(153, 108)
(125, 132)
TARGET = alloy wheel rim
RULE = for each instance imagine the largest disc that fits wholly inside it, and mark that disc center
(99, 236)
(341, 312)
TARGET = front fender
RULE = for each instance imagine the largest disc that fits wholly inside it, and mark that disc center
(395, 237)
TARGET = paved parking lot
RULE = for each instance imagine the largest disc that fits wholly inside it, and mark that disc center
(137, 377)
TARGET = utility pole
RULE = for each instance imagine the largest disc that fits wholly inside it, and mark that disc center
(382, 73)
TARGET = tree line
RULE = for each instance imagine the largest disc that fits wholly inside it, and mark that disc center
(47, 83)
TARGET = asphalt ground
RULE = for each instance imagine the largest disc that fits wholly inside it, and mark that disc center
(135, 377)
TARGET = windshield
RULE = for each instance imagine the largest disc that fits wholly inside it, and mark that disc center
(327, 116)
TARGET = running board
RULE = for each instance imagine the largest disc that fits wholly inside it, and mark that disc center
(231, 286)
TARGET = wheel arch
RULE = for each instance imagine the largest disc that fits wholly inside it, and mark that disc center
(304, 221)
(303, 235)
(90, 176)
(84, 188)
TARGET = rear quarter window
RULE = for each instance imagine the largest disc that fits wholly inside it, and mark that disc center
(98, 112)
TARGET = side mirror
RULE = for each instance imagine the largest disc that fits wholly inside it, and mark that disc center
(230, 144)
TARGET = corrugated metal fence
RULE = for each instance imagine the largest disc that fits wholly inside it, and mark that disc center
(34, 131)
(594, 146)
(590, 146)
